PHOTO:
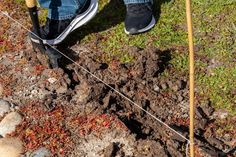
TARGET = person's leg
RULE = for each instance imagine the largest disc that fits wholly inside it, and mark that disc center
(64, 16)
(61, 9)
(139, 16)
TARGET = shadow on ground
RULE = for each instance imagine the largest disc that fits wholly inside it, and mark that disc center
(110, 16)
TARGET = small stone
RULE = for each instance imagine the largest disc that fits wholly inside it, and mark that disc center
(82, 92)
(67, 79)
(12, 109)
(222, 114)
(41, 152)
(106, 100)
(9, 123)
(180, 98)
(34, 92)
(61, 90)
(17, 107)
(181, 84)
(156, 88)
(227, 137)
(4, 107)
(52, 80)
(163, 86)
(10, 147)
(169, 83)
(33, 78)
(175, 88)
(109, 150)
(174, 97)
(185, 115)
(146, 130)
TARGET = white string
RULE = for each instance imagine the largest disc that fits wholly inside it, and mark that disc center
(187, 147)
(122, 95)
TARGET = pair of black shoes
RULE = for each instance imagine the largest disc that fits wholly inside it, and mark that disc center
(139, 18)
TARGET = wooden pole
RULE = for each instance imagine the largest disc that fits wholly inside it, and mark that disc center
(191, 76)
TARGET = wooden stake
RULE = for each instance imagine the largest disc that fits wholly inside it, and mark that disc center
(191, 76)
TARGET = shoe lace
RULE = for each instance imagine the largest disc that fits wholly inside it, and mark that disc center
(138, 8)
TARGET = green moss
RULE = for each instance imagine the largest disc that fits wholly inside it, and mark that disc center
(218, 86)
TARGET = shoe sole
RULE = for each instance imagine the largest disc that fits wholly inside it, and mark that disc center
(151, 25)
(78, 21)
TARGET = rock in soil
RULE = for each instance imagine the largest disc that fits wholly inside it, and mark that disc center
(4, 107)
(10, 147)
(9, 123)
(221, 114)
(93, 145)
(82, 92)
(156, 88)
(41, 152)
(164, 86)
(109, 150)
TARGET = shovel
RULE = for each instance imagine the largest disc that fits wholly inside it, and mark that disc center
(46, 54)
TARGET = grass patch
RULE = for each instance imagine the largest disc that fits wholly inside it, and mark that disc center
(219, 86)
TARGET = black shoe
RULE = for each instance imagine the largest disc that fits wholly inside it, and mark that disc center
(139, 18)
(52, 29)
(55, 31)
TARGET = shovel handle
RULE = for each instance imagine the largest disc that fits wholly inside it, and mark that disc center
(30, 3)
(32, 7)
(33, 12)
